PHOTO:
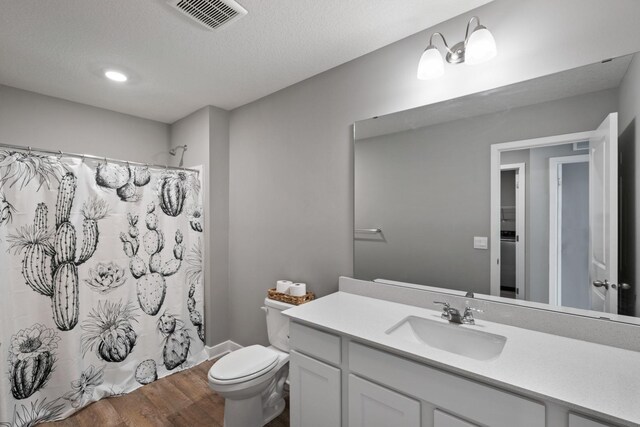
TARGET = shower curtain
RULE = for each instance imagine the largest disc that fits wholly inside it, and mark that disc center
(100, 278)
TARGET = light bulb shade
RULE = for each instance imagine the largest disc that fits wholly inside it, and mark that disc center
(431, 64)
(481, 46)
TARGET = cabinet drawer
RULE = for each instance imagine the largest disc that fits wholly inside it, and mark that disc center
(371, 405)
(442, 419)
(319, 344)
(579, 421)
(452, 393)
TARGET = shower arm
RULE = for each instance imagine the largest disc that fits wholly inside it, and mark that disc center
(174, 151)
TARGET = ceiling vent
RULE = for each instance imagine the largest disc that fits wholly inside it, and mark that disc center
(212, 14)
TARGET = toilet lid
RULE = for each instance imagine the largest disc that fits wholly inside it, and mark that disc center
(242, 363)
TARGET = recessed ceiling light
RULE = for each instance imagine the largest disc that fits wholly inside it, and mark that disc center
(116, 76)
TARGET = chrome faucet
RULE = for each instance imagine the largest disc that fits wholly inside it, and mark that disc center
(453, 314)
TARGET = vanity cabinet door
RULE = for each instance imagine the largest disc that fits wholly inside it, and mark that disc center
(442, 419)
(314, 395)
(371, 405)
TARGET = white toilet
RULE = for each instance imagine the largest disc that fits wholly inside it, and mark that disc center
(252, 379)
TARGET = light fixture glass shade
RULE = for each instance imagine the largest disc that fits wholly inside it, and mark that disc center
(481, 46)
(431, 64)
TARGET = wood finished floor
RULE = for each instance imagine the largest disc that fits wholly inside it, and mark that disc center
(183, 400)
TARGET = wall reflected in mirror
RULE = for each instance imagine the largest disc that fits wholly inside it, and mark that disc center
(423, 186)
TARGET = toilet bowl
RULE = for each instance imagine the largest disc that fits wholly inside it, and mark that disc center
(252, 378)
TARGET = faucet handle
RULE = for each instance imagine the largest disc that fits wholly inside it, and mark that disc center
(445, 305)
(467, 317)
(446, 309)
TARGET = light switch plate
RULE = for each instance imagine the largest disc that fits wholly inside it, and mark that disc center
(480, 242)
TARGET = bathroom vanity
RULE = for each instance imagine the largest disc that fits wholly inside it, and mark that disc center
(361, 361)
(517, 202)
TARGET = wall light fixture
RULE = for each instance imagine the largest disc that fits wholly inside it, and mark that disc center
(476, 48)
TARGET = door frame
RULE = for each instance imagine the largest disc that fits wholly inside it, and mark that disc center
(496, 150)
(521, 208)
(555, 223)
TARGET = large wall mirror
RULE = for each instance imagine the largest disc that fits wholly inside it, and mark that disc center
(522, 193)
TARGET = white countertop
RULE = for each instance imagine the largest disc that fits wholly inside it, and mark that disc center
(594, 379)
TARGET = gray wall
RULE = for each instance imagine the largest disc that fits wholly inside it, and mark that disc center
(429, 188)
(31, 119)
(218, 320)
(291, 196)
(629, 129)
(206, 133)
(290, 177)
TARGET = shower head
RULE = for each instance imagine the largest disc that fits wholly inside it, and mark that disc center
(174, 151)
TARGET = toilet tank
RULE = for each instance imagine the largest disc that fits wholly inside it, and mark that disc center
(277, 324)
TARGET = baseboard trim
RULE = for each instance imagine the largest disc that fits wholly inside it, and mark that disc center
(221, 349)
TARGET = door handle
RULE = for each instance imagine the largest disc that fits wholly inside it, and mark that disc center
(621, 286)
(601, 284)
(606, 284)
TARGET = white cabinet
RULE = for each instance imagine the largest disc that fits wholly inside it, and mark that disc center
(314, 393)
(578, 421)
(371, 405)
(336, 380)
(472, 400)
(442, 419)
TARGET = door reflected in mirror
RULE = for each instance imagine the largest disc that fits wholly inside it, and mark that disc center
(525, 192)
(562, 192)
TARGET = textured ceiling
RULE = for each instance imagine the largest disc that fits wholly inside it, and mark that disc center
(60, 48)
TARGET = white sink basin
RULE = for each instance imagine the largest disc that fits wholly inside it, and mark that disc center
(464, 340)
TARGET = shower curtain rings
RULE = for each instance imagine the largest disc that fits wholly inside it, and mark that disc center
(30, 151)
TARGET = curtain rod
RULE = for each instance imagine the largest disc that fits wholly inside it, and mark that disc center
(92, 157)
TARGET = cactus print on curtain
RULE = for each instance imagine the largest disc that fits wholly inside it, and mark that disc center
(101, 273)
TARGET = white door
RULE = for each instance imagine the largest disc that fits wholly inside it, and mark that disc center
(371, 405)
(314, 396)
(603, 216)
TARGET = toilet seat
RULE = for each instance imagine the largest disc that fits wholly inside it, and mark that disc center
(243, 365)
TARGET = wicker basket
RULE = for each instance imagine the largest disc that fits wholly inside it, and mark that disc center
(290, 299)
